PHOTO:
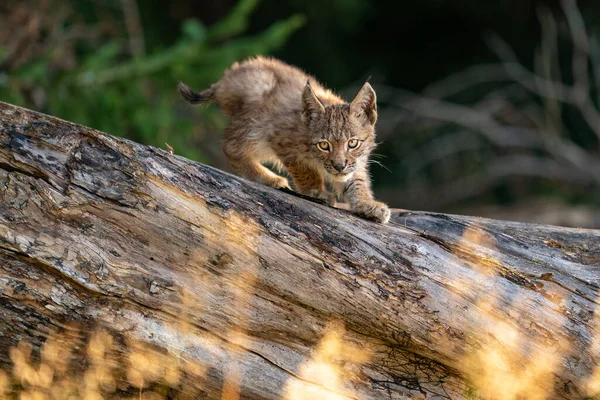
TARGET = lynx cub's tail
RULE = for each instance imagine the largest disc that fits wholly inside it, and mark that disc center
(195, 97)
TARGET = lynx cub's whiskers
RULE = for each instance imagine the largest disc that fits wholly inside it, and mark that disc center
(283, 116)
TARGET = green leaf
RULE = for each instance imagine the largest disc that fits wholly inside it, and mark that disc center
(194, 29)
(3, 53)
(101, 58)
(235, 22)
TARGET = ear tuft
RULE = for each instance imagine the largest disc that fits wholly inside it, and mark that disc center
(311, 105)
(364, 105)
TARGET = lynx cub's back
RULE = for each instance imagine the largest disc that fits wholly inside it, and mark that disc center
(283, 116)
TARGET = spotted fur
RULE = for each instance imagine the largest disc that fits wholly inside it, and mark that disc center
(282, 116)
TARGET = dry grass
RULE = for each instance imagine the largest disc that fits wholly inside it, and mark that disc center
(109, 371)
(512, 364)
(122, 368)
(331, 367)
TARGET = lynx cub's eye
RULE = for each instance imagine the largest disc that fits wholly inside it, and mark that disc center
(323, 145)
(353, 143)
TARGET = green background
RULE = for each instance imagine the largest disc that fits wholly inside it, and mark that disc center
(101, 64)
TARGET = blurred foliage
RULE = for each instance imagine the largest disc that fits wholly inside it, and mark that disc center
(90, 61)
(433, 157)
(406, 44)
(104, 85)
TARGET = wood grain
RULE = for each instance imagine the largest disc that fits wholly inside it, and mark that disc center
(97, 230)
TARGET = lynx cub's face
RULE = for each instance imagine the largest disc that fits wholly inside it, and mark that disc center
(342, 135)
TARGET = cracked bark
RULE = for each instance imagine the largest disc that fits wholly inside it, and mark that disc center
(96, 230)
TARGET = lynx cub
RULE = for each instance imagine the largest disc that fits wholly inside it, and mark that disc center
(283, 116)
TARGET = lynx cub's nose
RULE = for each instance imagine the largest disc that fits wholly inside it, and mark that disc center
(339, 166)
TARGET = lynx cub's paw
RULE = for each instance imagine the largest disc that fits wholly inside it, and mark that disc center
(278, 183)
(327, 197)
(376, 211)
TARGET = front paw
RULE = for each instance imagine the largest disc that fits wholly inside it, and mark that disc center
(324, 196)
(279, 183)
(376, 211)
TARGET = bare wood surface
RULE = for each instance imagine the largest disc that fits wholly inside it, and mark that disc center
(97, 230)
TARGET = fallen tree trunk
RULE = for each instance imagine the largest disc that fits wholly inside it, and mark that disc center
(274, 296)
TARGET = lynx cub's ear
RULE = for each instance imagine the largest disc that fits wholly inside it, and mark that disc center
(311, 106)
(364, 105)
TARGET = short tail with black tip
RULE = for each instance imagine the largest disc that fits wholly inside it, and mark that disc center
(196, 97)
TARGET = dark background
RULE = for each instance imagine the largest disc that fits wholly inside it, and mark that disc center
(461, 131)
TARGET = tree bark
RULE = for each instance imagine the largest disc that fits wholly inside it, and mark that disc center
(249, 282)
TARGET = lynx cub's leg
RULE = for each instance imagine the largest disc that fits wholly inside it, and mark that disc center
(357, 192)
(308, 181)
(239, 152)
